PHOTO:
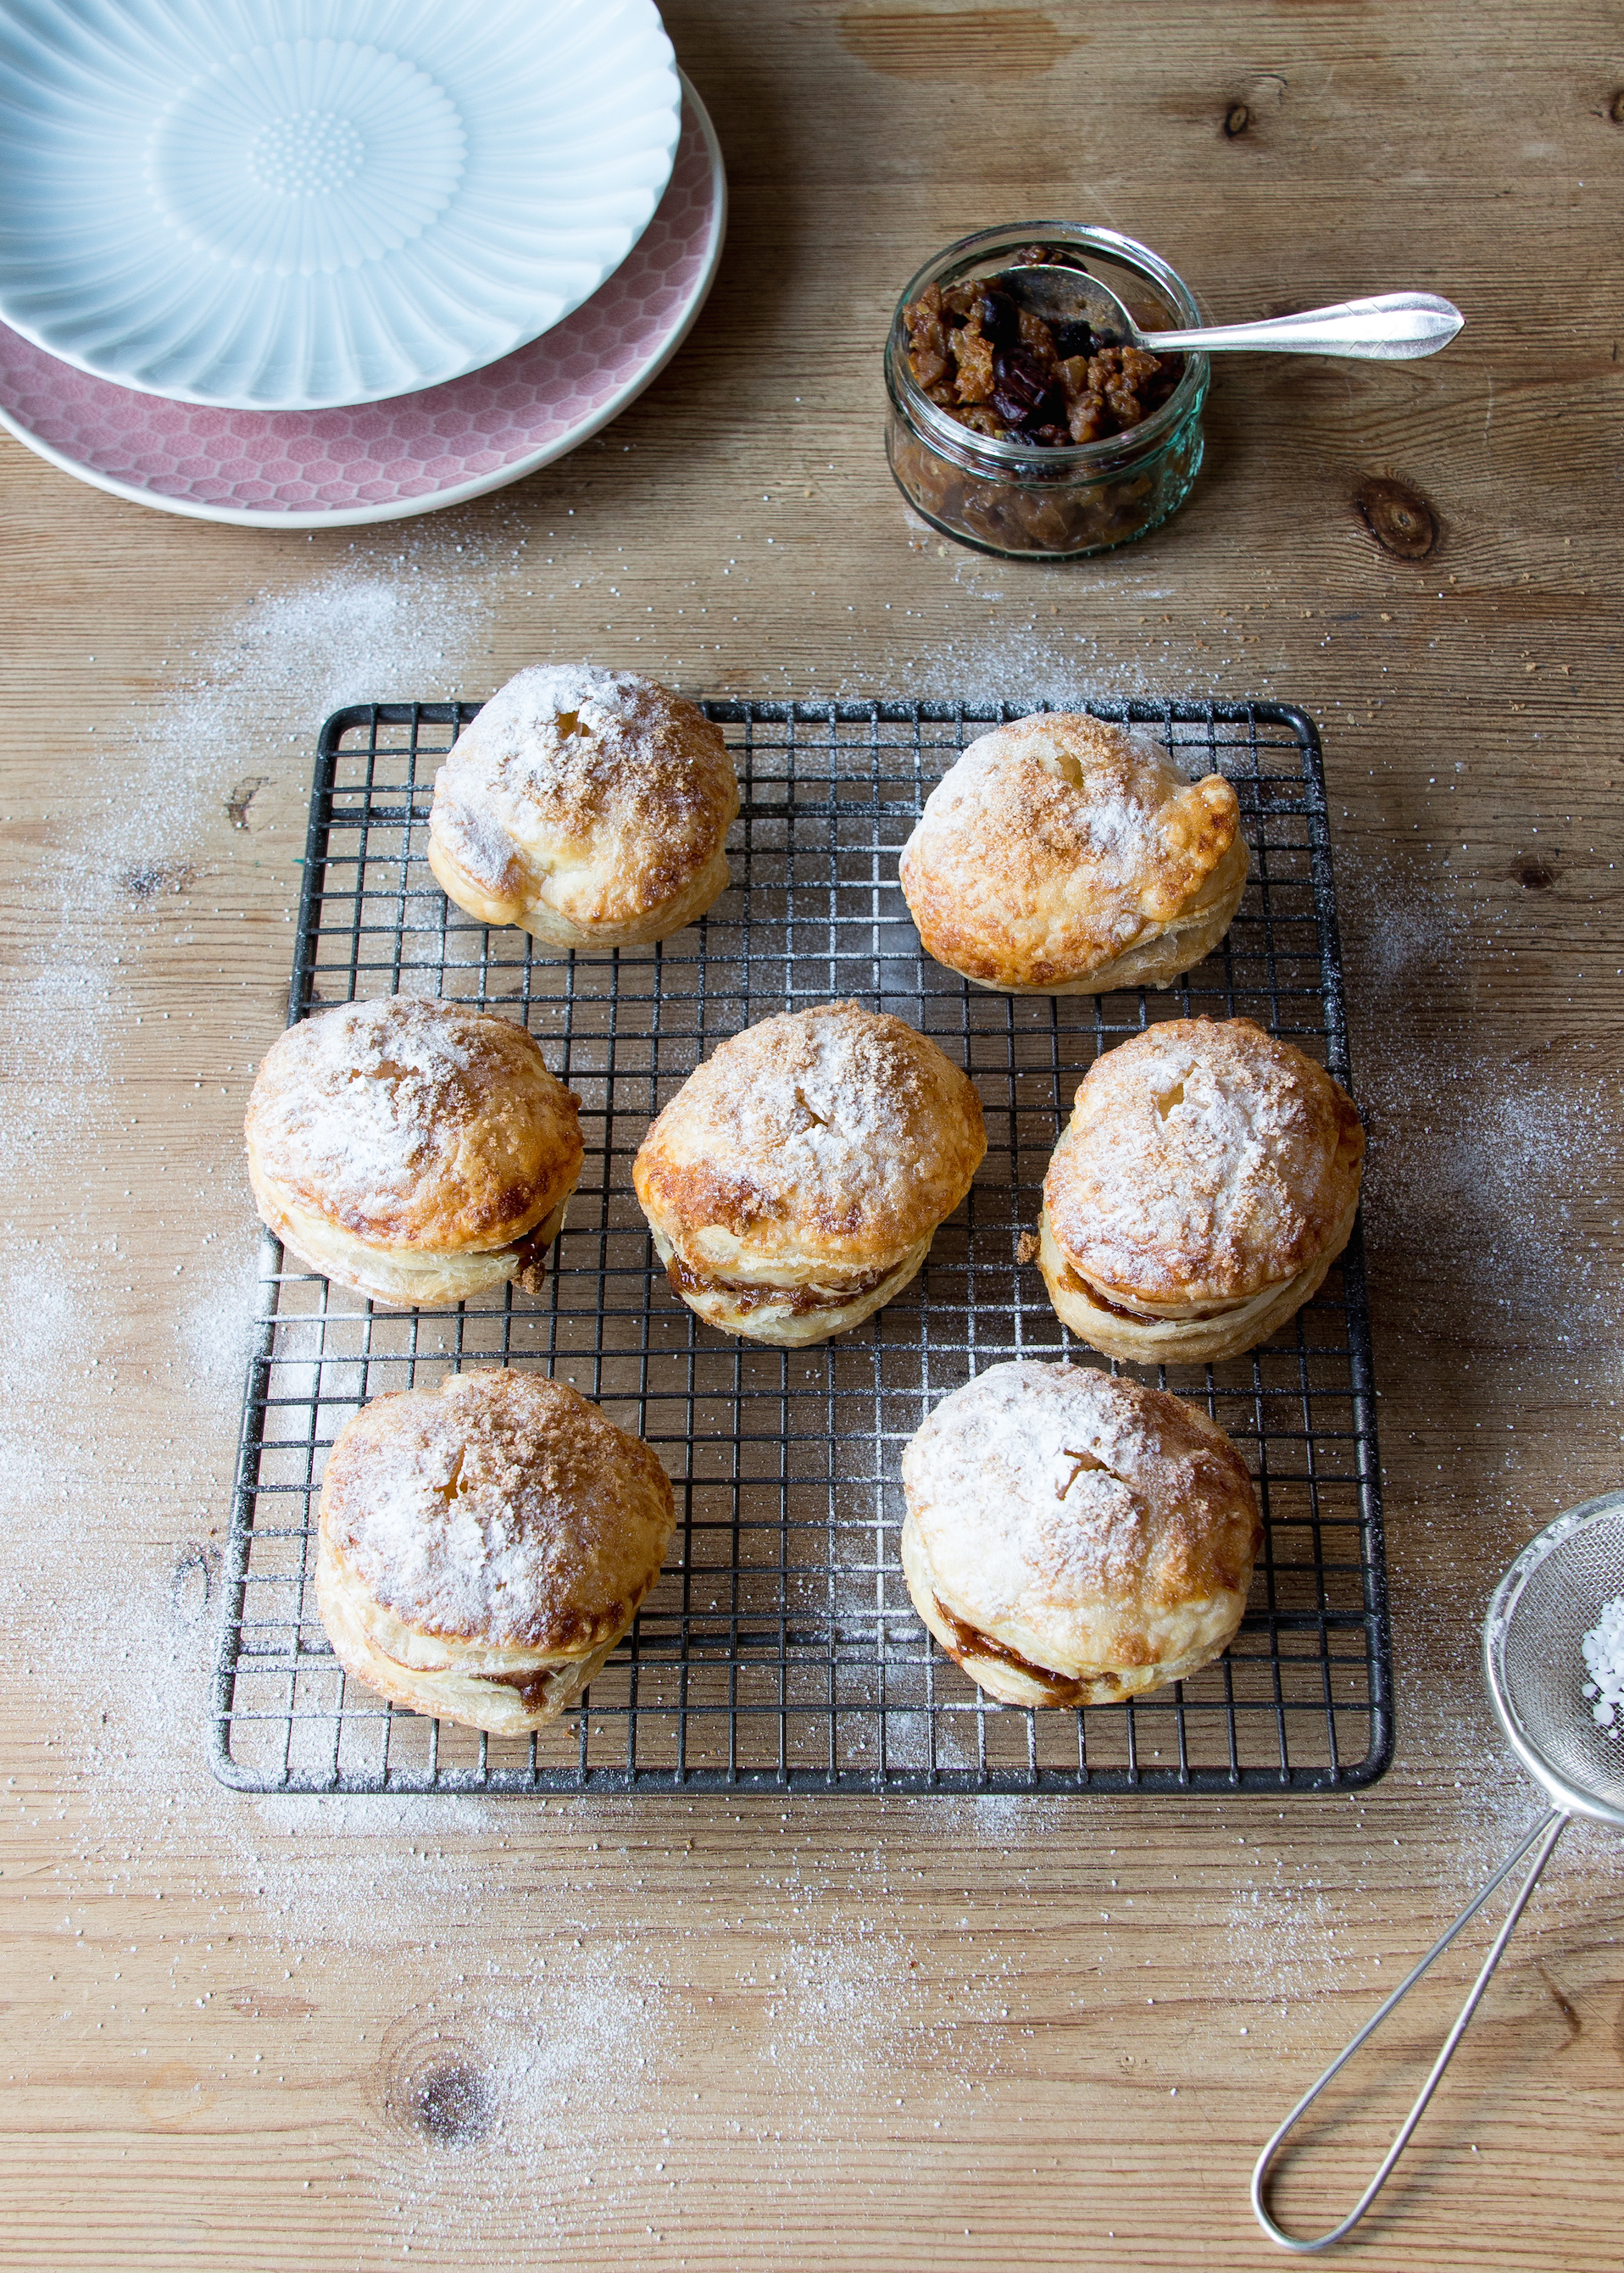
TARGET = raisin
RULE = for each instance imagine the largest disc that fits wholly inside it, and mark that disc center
(1002, 371)
(1022, 391)
(1072, 339)
(998, 317)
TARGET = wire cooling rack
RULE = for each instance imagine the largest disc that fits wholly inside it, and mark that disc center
(779, 1648)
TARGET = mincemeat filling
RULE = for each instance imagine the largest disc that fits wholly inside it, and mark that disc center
(970, 1641)
(1002, 371)
(747, 1295)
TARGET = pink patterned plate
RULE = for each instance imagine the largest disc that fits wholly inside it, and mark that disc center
(415, 452)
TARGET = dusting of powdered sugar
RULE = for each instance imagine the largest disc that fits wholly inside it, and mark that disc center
(828, 1117)
(372, 1100)
(1486, 1170)
(1112, 811)
(1203, 1158)
(531, 705)
(501, 1507)
(1037, 1485)
(1602, 1651)
(558, 732)
(569, 767)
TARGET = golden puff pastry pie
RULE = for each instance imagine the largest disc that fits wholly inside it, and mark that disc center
(1063, 855)
(795, 1182)
(1071, 1539)
(483, 1546)
(415, 1151)
(589, 807)
(1208, 1179)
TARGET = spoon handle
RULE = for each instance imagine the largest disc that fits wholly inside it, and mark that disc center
(1393, 328)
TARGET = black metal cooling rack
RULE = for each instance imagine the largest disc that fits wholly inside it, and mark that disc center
(780, 1648)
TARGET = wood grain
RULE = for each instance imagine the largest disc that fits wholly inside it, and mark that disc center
(848, 2033)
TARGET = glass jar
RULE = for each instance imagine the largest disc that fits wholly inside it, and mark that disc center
(1028, 501)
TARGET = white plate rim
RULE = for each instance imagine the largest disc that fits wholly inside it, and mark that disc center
(221, 402)
(460, 492)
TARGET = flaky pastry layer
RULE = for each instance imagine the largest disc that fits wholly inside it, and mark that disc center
(789, 1314)
(506, 1693)
(496, 1523)
(1147, 1337)
(1165, 954)
(1015, 1679)
(1205, 1164)
(811, 1147)
(406, 1278)
(412, 1125)
(554, 929)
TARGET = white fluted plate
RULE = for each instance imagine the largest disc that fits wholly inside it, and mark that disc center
(296, 205)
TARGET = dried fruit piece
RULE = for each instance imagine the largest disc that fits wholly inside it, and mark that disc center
(972, 353)
(998, 317)
(1038, 340)
(1073, 339)
(1022, 390)
(1087, 417)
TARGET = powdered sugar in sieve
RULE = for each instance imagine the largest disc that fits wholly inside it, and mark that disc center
(1603, 1661)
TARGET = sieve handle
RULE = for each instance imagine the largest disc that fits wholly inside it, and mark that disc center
(1547, 1832)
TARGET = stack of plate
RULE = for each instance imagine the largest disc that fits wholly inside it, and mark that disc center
(302, 263)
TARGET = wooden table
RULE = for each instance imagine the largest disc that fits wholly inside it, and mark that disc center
(911, 2034)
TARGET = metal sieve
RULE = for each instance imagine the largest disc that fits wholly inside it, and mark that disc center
(1552, 1595)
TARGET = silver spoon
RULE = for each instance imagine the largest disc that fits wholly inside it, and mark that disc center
(1394, 327)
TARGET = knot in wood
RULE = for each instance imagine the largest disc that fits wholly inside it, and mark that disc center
(1399, 518)
(1236, 119)
(148, 878)
(452, 2104)
(435, 2087)
(192, 1582)
(1535, 874)
(1615, 108)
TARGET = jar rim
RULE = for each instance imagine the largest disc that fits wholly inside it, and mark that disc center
(1048, 461)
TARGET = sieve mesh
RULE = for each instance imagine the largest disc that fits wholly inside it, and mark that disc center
(1551, 1598)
